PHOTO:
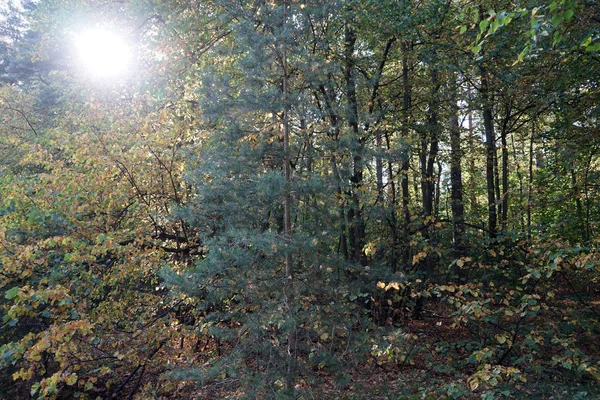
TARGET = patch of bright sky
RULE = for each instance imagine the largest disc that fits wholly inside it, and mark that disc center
(103, 53)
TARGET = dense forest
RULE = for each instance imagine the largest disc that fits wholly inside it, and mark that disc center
(300, 199)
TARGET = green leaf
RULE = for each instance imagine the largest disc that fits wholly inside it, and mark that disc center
(463, 29)
(495, 26)
(557, 38)
(592, 48)
(476, 49)
(569, 15)
(522, 55)
(11, 293)
(34, 389)
(557, 19)
(483, 25)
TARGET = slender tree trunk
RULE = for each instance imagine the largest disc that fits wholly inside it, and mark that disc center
(379, 168)
(456, 203)
(473, 203)
(289, 266)
(371, 108)
(328, 98)
(498, 201)
(588, 231)
(490, 144)
(357, 229)
(505, 188)
(438, 190)
(503, 211)
(392, 199)
(530, 180)
(429, 152)
(520, 152)
(404, 182)
(579, 205)
(428, 159)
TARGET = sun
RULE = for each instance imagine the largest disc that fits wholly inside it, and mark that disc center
(103, 53)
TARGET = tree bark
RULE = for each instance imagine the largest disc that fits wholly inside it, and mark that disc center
(392, 220)
(404, 183)
(357, 229)
(456, 197)
(429, 152)
(490, 145)
(530, 180)
(289, 266)
(430, 148)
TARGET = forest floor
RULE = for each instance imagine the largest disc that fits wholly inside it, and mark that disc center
(425, 372)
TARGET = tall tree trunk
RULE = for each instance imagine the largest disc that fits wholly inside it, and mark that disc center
(392, 221)
(328, 98)
(357, 230)
(404, 182)
(428, 158)
(579, 205)
(490, 144)
(429, 151)
(473, 203)
(530, 179)
(505, 188)
(289, 266)
(588, 231)
(516, 153)
(371, 108)
(498, 201)
(456, 202)
(438, 190)
(379, 167)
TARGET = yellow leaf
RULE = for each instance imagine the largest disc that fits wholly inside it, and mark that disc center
(594, 372)
(460, 262)
(419, 257)
(558, 260)
(474, 384)
(22, 374)
(324, 336)
(71, 380)
(501, 338)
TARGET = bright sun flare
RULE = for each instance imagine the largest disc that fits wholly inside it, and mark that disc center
(103, 53)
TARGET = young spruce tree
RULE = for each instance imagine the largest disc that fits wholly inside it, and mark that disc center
(270, 283)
